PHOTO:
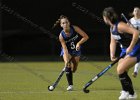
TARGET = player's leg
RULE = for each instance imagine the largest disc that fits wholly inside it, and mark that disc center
(74, 64)
(127, 86)
(68, 72)
(136, 69)
(75, 61)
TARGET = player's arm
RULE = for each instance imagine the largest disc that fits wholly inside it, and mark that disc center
(124, 28)
(83, 34)
(113, 45)
(64, 48)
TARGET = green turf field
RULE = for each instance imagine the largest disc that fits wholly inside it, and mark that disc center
(29, 81)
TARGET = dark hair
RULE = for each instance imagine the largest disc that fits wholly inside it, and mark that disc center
(110, 13)
(58, 21)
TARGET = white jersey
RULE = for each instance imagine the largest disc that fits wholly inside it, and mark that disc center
(135, 23)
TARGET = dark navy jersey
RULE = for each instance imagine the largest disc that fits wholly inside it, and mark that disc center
(124, 39)
(72, 40)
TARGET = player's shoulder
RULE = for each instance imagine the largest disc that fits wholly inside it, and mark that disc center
(120, 23)
(61, 34)
(75, 27)
(132, 19)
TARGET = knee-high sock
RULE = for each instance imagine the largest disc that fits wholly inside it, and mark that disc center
(126, 83)
(69, 76)
(137, 67)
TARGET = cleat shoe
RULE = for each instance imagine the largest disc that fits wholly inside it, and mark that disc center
(124, 95)
(132, 97)
(70, 88)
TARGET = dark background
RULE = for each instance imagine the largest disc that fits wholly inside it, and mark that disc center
(18, 37)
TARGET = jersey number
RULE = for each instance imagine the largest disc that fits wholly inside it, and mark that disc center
(72, 45)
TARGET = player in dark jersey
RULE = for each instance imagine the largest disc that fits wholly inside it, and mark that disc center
(71, 46)
(128, 38)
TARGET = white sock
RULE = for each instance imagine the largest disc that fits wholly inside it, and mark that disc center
(137, 67)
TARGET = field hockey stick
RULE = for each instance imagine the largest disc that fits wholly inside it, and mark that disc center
(126, 19)
(100, 74)
(52, 87)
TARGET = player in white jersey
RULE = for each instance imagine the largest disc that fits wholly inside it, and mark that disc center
(135, 21)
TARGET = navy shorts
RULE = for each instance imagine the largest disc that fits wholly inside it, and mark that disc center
(135, 52)
(71, 52)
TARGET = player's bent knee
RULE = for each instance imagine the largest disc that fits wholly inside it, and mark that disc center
(120, 70)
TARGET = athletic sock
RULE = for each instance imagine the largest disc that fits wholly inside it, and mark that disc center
(69, 76)
(131, 89)
(126, 83)
(137, 67)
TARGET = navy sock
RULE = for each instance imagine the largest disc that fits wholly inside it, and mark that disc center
(126, 83)
(69, 76)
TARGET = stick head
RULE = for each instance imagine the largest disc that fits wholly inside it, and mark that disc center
(122, 14)
(85, 90)
(50, 88)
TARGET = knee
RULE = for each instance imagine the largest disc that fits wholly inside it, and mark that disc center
(120, 70)
(67, 64)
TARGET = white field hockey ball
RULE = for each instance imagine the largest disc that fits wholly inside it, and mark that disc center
(51, 87)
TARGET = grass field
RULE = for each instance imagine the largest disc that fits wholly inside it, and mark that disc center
(29, 81)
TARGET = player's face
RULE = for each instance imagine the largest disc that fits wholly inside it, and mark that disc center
(136, 12)
(106, 20)
(65, 24)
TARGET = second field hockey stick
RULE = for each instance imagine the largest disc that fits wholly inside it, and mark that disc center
(126, 19)
(52, 87)
(100, 74)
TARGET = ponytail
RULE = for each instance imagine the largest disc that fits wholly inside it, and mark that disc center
(58, 21)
